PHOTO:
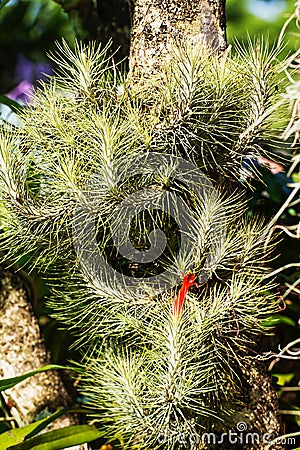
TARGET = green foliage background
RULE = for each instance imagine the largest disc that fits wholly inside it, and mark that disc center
(31, 27)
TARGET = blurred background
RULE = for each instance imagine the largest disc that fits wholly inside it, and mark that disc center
(28, 31)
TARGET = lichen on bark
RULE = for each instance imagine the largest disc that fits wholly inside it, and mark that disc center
(158, 24)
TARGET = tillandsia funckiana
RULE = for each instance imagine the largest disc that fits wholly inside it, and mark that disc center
(115, 189)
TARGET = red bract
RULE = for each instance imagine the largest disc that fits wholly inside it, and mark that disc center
(188, 282)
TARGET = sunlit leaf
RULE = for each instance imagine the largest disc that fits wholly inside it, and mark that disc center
(283, 378)
(278, 319)
(8, 383)
(59, 439)
(17, 435)
(14, 106)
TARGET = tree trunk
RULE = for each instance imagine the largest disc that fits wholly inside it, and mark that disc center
(158, 24)
(22, 350)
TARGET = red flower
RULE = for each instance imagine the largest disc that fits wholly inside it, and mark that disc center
(188, 282)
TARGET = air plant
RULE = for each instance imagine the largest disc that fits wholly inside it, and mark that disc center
(97, 154)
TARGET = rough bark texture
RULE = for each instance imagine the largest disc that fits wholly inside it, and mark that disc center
(158, 23)
(22, 350)
(262, 406)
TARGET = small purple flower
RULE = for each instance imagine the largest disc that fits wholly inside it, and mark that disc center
(27, 73)
(21, 93)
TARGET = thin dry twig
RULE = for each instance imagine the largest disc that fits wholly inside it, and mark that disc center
(285, 353)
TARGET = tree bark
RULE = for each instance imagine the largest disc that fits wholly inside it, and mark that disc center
(22, 350)
(158, 24)
(261, 405)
